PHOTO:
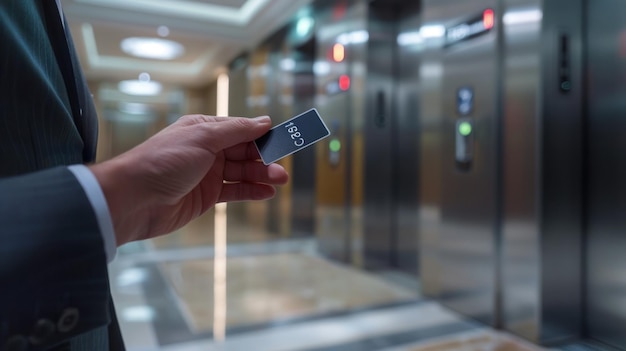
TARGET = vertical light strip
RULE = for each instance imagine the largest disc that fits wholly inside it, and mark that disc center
(219, 273)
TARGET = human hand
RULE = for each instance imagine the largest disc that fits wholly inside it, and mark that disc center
(184, 170)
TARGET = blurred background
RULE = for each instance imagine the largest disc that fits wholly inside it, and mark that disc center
(470, 196)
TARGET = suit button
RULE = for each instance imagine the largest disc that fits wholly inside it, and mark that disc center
(44, 328)
(16, 343)
(68, 320)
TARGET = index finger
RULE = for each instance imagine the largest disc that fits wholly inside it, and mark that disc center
(226, 133)
(242, 152)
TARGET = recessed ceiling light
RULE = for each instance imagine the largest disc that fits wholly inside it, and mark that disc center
(288, 64)
(305, 26)
(321, 68)
(356, 37)
(134, 108)
(163, 31)
(137, 87)
(152, 48)
(410, 38)
(144, 77)
(432, 31)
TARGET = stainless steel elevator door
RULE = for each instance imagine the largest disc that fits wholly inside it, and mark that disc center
(541, 230)
(338, 173)
(606, 243)
(406, 148)
(468, 235)
(378, 231)
(391, 139)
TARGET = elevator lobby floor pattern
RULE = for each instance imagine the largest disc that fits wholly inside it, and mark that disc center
(424, 326)
(268, 288)
(281, 296)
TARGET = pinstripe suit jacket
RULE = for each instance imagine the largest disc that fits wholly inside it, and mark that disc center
(54, 289)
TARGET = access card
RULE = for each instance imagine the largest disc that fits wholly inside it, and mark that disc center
(291, 136)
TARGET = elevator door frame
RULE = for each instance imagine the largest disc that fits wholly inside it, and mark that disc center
(606, 171)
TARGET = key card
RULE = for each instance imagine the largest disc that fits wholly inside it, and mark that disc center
(291, 136)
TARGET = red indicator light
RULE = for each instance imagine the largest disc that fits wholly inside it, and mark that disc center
(339, 12)
(339, 52)
(489, 19)
(344, 82)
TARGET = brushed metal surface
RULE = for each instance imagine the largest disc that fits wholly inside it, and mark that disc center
(468, 236)
(457, 216)
(542, 171)
(406, 148)
(338, 186)
(521, 266)
(606, 171)
(430, 145)
(379, 138)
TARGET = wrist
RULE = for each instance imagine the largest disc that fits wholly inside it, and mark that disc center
(121, 196)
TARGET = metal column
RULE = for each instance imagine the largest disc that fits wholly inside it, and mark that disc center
(606, 171)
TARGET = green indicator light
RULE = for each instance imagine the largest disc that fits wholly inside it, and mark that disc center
(335, 145)
(567, 85)
(465, 128)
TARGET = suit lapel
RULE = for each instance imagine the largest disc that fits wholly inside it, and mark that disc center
(83, 111)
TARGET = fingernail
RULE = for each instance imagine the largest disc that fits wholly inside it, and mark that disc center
(263, 119)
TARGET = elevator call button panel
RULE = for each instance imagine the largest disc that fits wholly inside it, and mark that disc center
(465, 101)
(464, 151)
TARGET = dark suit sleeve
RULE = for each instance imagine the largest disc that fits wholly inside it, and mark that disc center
(53, 271)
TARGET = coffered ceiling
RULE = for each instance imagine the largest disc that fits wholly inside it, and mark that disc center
(212, 33)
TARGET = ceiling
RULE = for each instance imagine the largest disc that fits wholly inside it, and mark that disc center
(213, 32)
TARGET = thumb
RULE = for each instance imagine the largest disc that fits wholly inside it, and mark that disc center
(231, 131)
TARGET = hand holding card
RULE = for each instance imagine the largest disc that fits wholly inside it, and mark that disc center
(291, 136)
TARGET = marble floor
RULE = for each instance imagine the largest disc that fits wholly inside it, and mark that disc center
(277, 295)
(274, 287)
(174, 313)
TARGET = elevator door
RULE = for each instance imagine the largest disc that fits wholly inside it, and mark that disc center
(606, 245)
(339, 100)
(391, 143)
